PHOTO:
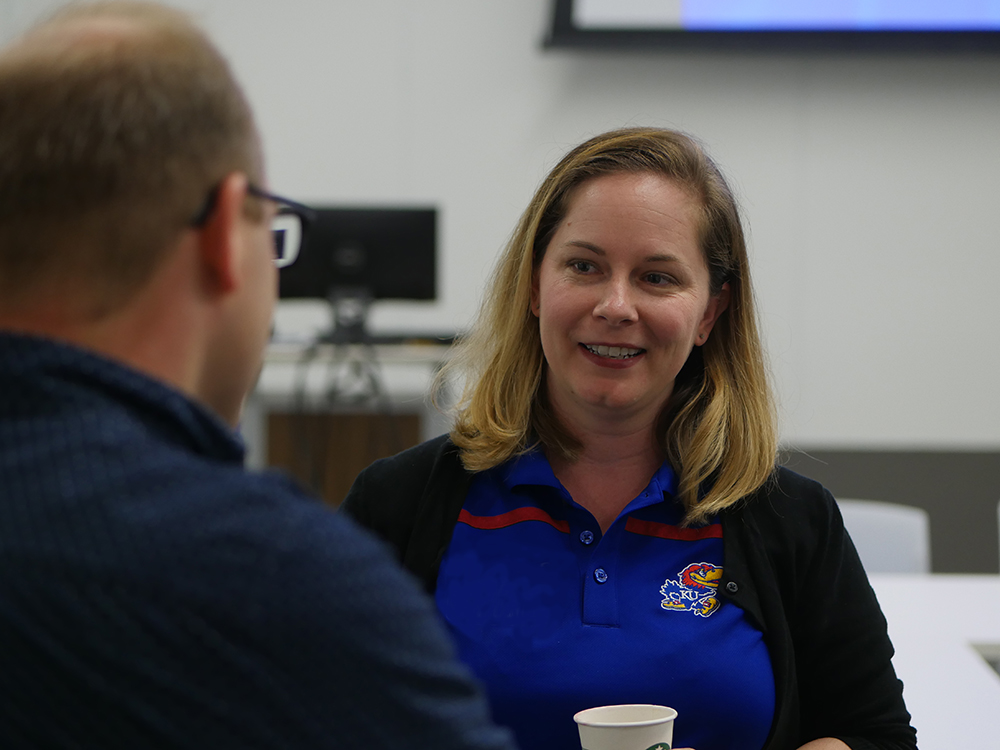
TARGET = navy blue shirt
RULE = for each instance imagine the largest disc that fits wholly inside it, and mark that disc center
(553, 617)
(156, 595)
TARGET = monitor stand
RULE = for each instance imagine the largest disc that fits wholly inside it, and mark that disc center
(353, 375)
(349, 308)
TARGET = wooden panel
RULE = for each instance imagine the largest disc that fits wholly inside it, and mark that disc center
(326, 451)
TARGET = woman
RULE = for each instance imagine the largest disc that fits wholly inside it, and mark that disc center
(605, 523)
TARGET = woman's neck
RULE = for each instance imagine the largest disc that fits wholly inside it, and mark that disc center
(612, 468)
(610, 437)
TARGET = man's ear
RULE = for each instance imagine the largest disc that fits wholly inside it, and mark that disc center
(220, 242)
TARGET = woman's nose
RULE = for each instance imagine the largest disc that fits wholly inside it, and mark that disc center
(616, 304)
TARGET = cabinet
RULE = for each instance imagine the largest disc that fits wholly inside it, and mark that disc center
(325, 413)
(325, 451)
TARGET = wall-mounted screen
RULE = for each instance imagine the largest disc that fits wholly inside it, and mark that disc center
(777, 24)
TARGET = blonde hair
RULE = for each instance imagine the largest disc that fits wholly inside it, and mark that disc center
(718, 429)
(116, 121)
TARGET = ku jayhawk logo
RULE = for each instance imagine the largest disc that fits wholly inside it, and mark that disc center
(693, 591)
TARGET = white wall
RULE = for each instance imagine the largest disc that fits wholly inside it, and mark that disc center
(869, 183)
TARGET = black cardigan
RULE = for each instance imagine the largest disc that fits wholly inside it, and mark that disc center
(787, 562)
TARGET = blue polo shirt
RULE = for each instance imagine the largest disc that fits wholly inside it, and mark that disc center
(553, 617)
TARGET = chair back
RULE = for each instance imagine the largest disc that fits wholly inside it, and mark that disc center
(889, 537)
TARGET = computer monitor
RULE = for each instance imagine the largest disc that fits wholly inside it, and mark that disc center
(354, 256)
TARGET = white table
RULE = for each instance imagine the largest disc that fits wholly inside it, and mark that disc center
(295, 376)
(951, 691)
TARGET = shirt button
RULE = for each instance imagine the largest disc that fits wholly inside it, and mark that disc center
(587, 537)
(732, 587)
(600, 575)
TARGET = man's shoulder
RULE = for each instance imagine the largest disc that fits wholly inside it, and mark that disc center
(265, 508)
(124, 506)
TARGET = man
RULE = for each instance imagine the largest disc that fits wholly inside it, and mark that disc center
(153, 593)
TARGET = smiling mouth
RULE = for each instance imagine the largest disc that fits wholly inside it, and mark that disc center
(613, 352)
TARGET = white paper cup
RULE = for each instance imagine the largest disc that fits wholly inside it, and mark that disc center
(635, 726)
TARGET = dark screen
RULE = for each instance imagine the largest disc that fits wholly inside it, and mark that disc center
(389, 253)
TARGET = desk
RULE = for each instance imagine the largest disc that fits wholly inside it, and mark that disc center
(951, 691)
(343, 406)
(297, 375)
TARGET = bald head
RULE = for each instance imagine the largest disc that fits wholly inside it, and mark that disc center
(117, 119)
(104, 21)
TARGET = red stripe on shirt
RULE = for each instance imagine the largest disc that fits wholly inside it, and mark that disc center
(510, 518)
(666, 531)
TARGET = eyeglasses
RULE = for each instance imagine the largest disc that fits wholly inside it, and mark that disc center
(288, 226)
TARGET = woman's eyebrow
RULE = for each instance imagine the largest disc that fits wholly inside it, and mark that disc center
(586, 246)
(598, 250)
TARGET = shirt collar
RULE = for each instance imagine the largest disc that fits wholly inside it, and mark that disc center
(33, 360)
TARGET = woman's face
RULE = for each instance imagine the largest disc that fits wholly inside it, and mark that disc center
(622, 296)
